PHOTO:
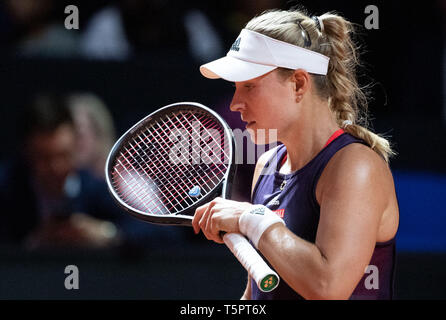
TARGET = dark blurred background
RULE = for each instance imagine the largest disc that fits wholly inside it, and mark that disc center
(130, 57)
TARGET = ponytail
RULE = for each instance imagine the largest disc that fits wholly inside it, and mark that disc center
(331, 35)
(347, 100)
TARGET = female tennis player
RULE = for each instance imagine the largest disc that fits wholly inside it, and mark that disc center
(324, 213)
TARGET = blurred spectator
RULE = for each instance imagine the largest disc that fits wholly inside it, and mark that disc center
(104, 36)
(128, 27)
(95, 132)
(45, 200)
(245, 10)
(110, 30)
(95, 136)
(34, 31)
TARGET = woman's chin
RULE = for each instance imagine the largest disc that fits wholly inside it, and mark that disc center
(259, 137)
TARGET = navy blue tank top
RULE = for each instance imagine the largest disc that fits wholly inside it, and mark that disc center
(297, 204)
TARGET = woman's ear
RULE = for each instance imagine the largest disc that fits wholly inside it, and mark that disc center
(301, 82)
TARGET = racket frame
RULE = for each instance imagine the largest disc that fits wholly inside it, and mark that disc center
(265, 278)
(223, 188)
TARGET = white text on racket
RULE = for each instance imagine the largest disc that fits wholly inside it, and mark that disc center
(197, 145)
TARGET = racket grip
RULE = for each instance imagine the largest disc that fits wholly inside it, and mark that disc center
(265, 278)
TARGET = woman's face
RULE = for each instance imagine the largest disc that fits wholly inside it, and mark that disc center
(267, 104)
(51, 157)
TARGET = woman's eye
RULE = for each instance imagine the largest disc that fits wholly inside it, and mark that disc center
(246, 86)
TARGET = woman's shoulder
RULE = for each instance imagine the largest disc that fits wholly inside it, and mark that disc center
(358, 154)
(356, 173)
(356, 165)
(358, 158)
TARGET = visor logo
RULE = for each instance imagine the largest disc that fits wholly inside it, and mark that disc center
(236, 45)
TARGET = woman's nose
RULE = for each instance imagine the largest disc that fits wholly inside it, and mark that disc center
(237, 104)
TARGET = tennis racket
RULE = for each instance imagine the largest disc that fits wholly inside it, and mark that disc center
(173, 161)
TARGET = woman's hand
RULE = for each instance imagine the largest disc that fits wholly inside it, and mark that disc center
(217, 216)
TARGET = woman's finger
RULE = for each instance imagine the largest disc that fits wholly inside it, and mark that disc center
(197, 217)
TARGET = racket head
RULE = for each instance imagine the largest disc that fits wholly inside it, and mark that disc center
(142, 173)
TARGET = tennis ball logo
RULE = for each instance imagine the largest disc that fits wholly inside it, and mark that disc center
(195, 191)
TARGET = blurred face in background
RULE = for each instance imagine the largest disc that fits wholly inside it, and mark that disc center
(51, 157)
(28, 12)
(86, 139)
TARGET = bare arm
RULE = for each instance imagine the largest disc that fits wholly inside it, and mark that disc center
(354, 192)
(247, 294)
(352, 204)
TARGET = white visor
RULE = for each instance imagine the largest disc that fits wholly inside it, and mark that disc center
(254, 54)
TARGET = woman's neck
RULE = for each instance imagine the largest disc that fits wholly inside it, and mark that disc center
(307, 138)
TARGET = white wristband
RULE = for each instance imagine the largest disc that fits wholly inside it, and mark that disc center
(254, 221)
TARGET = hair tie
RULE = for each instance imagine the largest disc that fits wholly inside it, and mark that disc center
(304, 33)
(346, 123)
(319, 23)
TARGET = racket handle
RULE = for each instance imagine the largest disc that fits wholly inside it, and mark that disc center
(265, 278)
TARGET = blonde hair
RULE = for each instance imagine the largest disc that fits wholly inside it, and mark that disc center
(332, 37)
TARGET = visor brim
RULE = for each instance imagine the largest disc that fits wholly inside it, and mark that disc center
(233, 69)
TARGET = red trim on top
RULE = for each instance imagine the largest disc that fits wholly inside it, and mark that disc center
(336, 134)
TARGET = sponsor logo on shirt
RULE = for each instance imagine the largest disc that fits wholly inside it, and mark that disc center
(274, 202)
(280, 212)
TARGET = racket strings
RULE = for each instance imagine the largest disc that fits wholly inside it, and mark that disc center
(148, 179)
(220, 131)
(210, 167)
(161, 176)
(171, 173)
(186, 171)
(138, 181)
(211, 149)
(148, 172)
(127, 182)
(145, 172)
